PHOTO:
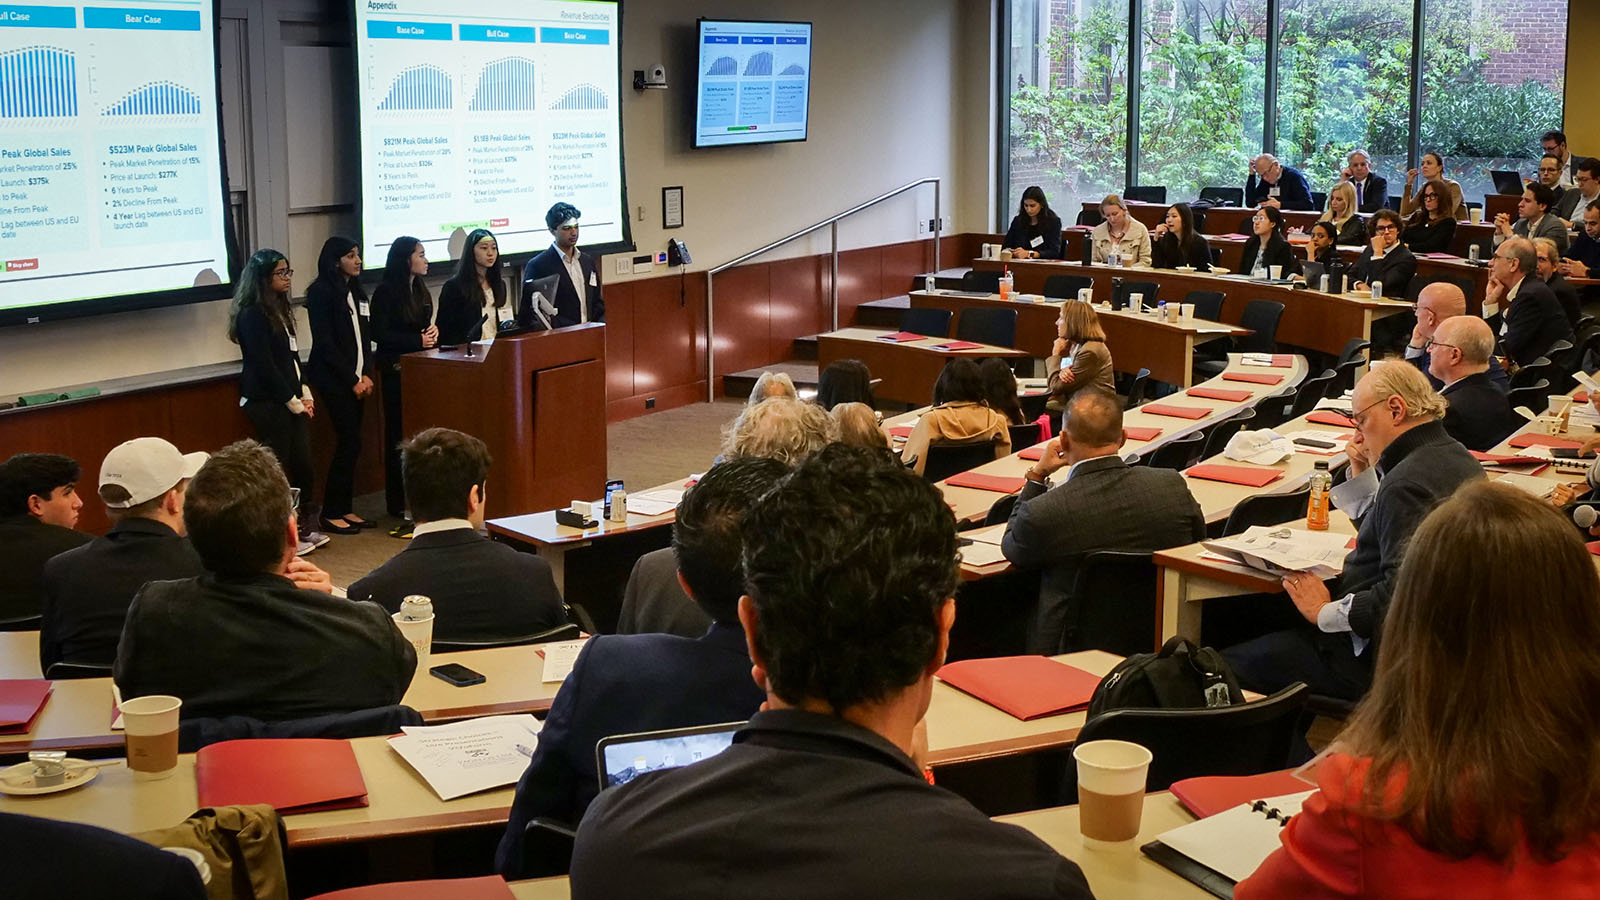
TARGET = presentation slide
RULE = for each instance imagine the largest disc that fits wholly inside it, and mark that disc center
(483, 115)
(754, 84)
(110, 155)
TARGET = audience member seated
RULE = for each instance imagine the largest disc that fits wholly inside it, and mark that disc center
(1035, 231)
(1079, 359)
(260, 634)
(1432, 169)
(1555, 143)
(1550, 176)
(844, 381)
(87, 589)
(1121, 234)
(858, 426)
(1324, 247)
(654, 601)
(1267, 247)
(1402, 465)
(1583, 257)
(624, 684)
(1102, 503)
(39, 506)
(1470, 770)
(46, 859)
(773, 384)
(1437, 302)
(1535, 221)
(1531, 319)
(959, 416)
(1177, 243)
(850, 567)
(1548, 268)
(1274, 184)
(1431, 229)
(1371, 190)
(1341, 213)
(783, 429)
(1000, 389)
(481, 590)
(1479, 415)
(1385, 259)
(1584, 194)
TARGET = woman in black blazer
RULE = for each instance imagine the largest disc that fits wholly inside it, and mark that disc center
(1177, 243)
(402, 322)
(1035, 231)
(340, 370)
(1432, 228)
(1267, 246)
(273, 393)
(476, 292)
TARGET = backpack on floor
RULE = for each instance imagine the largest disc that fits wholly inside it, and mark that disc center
(1180, 676)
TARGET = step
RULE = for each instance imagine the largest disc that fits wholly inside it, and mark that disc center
(944, 279)
(883, 313)
(805, 348)
(803, 374)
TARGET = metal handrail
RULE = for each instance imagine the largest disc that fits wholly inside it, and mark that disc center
(832, 224)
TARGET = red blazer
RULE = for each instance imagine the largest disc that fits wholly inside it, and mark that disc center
(1332, 849)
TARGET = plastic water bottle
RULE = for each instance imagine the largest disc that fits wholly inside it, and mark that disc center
(1161, 311)
(927, 284)
(1317, 509)
(416, 608)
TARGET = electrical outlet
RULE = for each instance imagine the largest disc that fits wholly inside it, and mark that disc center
(650, 403)
(923, 225)
(624, 266)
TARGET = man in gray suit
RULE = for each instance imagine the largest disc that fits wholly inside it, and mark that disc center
(1536, 220)
(1584, 193)
(1102, 504)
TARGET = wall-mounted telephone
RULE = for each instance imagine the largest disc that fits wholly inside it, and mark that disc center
(678, 253)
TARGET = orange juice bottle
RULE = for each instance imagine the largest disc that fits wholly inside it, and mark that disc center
(1317, 509)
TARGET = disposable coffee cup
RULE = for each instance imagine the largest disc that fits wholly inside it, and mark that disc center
(1187, 310)
(1085, 295)
(419, 633)
(1136, 302)
(1111, 780)
(1475, 214)
(1558, 403)
(150, 729)
(1275, 272)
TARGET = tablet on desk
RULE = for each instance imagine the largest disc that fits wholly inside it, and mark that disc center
(621, 758)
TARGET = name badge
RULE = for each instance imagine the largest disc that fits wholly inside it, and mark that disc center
(294, 345)
(366, 309)
(1038, 241)
(372, 346)
(1273, 191)
(593, 282)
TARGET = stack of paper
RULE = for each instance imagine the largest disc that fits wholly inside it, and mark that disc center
(559, 658)
(655, 503)
(985, 547)
(1236, 842)
(467, 757)
(1280, 549)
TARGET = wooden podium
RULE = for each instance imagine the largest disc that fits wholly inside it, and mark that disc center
(538, 400)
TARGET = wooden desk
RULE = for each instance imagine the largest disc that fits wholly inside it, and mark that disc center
(19, 654)
(908, 369)
(964, 729)
(1122, 871)
(558, 888)
(1141, 341)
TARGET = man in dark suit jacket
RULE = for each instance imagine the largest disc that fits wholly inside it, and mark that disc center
(1274, 184)
(45, 859)
(88, 589)
(1584, 193)
(850, 566)
(1372, 190)
(622, 684)
(481, 590)
(1437, 302)
(1479, 415)
(1403, 464)
(1103, 504)
(1531, 319)
(1395, 267)
(578, 275)
(1548, 268)
(260, 634)
(654, 600)
(38, 508)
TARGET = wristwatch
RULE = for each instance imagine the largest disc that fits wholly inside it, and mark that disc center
(1036, 477)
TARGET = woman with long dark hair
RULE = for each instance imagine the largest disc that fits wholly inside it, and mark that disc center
(475, 293)
(1035, 231)
(844, 381)
(403, 322)
(1177, 243)
(340, 370)
(275, 397)
(1267, 246)
(959, 415)
(1432, 228)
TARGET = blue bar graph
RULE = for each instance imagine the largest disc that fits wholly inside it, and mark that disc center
(506, 84)
(419, 87)
(38, 82)
(759, 64)
(158, 98)
(583, 96)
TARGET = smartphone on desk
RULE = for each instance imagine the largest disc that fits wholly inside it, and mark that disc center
(457, 674)
(1568, 453)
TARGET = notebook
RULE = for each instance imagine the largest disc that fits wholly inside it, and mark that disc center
(1027, 687)
(900, 337)
(1181, 412)
(21, 701)
(488, 887)
(997, 483)
(1532, 439)
(1220, 850)
(901, 431)
(292, 776)
(1251, 378)
(1329, 417)
(1218, 393)
(1212, 794)
(1031, 453)
(957, 345)
(1245, 475)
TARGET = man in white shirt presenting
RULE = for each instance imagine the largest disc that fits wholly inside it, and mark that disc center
(577, 297)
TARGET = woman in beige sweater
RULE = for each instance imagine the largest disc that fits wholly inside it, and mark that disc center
(959, 415)
(1080, 358)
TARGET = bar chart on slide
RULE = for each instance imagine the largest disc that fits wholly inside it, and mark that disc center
(38, 82)
(582, 97)
(505, 84)
(423, 87)
(754, 84)
(158, 98)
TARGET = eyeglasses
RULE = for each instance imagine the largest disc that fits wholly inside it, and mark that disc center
(283, 273)
(1382, 228)
(1356, 416)
(1431, 343)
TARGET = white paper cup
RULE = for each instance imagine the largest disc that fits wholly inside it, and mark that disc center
(1275, 272)
(1475, 215)
(150, 729)
(1111, 780)
(1136, 302)
(1085, 295)
(1558, 403)
(1188, 311)
(420, 636)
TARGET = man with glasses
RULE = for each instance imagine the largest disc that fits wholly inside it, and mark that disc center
(1274, 184)
(1531, 319)
(1458, 355)
(1555, 144)
(1548, 268)
(1437, 302)
(1402, 465)
(1385, 259)
(1584, 194)
(1584, 254)
(1550, 175)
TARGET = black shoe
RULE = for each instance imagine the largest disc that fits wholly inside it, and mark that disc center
(339, 527)
(364, 524)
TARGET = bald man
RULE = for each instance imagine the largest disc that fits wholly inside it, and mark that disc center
(1274, 184)
(1439, 301)
(1531, 321)
(1458, 355)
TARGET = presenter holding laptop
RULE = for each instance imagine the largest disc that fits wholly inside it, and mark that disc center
(403, 320)
(577, 273)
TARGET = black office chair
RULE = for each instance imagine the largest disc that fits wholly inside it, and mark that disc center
(923, 320)
(1113, 604)
(1136, 389)
(1311, 392)
(1223, 196)
(1353, 358)
(1262, 318)
(1146, 194)
(945, 460)
(565, 632)
(981, 281)
(1119, 296)
(1222, 432)
(1561, 353)
(21, 623)
(1267, 509)
(1541, 369)
(1319, 199)
(1216, 256)
(383, 720)
(996, 327)
(1248, 739)
(1066, 287)
(66, 671)
(1179, 453)
(1533, 396)
(1207, 304)
(1024, 435)
(1000, 511)
(1089, 217)
(1588, 355)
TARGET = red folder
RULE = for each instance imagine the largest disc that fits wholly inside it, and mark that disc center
(1031, 453)
(996, 483)
(1218, 393)
(21, 700)
(1495, 459)
(957, 345)
(292, 776)
(1282, 360)
(1137, 433)
(1594, 547)
(1329, 417)
(1024, 686)
(1543, 440)
(1182, 412)
(1252, 379)
(488, 887)
(1581, 397)
(901, 431)
(1245, 475)
(1211, 794)
(900, 337)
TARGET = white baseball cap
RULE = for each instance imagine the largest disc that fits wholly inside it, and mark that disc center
(146, 468)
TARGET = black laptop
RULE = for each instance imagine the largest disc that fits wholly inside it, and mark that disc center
(1506, 182)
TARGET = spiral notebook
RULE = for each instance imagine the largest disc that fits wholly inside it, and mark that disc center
(1217, 851)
